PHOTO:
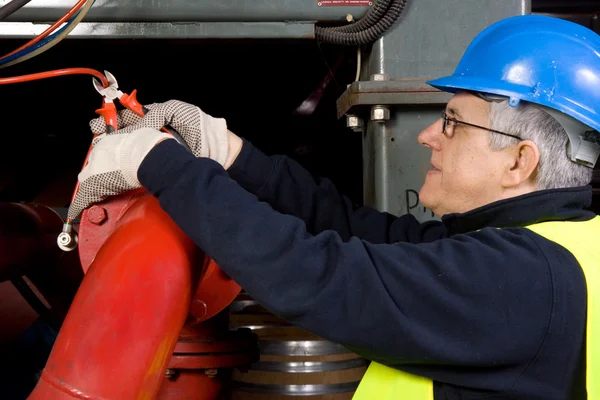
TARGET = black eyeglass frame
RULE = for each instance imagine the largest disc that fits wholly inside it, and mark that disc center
(446, 118)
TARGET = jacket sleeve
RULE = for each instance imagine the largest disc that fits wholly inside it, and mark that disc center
(291, 189)
(481, 299)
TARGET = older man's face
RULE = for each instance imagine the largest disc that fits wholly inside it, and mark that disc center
(465, 173)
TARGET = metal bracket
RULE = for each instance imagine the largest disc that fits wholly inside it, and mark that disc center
(390, 93)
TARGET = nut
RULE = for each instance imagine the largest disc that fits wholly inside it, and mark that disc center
(352, 121)
(96, 215)
(379, 77)
(380, 113)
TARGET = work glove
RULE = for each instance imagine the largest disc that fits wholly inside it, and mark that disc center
(112, 166)
(115, 158)
(205, 135)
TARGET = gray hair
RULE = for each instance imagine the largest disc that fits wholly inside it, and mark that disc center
(555, 169)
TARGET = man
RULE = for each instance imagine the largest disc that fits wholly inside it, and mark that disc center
(491, 302)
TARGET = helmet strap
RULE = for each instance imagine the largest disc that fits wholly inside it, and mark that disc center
(584, 142)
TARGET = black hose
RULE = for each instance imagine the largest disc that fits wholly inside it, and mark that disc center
(45, 314)
(345, 36)
(10, 8)
(371, 18)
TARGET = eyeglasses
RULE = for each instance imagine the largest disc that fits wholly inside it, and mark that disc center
(446, 119)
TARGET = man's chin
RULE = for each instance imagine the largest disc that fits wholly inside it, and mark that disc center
(426, 198)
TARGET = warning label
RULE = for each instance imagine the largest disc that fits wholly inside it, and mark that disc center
(344, 3)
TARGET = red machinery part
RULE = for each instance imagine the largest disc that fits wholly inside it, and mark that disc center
(27, 238)
(202, 362)
(142, 273)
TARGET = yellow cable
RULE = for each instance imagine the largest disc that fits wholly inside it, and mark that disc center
(52, 43)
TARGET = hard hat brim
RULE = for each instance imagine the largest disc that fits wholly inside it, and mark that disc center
(515, 93)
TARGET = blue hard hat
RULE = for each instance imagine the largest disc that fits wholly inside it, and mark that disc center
(542, 60)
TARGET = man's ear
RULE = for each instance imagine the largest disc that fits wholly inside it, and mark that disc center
(523, 161)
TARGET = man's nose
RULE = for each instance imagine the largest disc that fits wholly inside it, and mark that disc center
(431, 137)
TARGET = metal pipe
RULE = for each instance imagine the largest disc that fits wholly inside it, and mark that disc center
(27, 238)
(125, 320)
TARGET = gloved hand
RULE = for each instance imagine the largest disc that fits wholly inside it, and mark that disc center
(115, 158)
(205, 135)
(113, 165)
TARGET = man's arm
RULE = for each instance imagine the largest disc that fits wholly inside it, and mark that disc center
(467, 301)
(291, 189)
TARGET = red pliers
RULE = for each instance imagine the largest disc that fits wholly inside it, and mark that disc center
(129, 101)
(109, 94)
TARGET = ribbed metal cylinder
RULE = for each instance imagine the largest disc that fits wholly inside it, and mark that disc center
(292, 362)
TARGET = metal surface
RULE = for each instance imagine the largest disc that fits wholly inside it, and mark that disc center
(300, 348)
(307, 367)
(296, 390)
(67, 240)
(126, 318)
(192, 385)
(157, 30)
(239, 306)
(428, 42)
(111, 92)
(27, 238)
(190, 10)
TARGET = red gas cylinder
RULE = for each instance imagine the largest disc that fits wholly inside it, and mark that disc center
(145, 279)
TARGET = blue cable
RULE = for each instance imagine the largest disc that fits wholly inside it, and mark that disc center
(41, 43)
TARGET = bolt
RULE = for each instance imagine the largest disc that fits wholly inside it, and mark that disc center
(379, 77)
(96, 215)
(380, 113)
(169, 373)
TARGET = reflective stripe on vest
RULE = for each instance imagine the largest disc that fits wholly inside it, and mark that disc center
(581, 240)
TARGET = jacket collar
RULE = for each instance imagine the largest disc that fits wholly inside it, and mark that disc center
(544, 205)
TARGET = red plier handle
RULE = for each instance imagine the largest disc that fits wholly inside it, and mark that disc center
(130, 102)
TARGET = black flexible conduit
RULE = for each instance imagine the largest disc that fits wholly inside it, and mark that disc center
(380, 17)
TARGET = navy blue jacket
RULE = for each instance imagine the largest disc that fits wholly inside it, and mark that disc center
(486, 313)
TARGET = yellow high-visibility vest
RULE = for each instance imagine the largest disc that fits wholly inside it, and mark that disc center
(581, 239)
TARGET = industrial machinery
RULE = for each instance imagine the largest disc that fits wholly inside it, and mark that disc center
(147, 310)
